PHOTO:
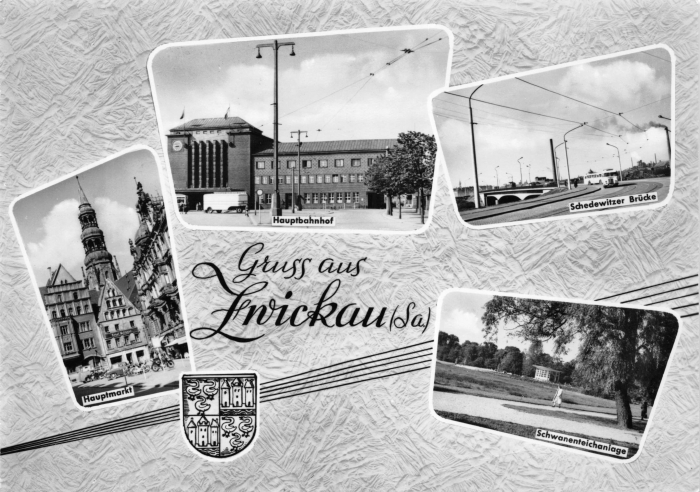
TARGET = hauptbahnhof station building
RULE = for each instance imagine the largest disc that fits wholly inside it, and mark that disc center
(228, 154)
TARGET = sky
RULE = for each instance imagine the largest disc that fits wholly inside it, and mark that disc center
(48, 219)
(622, 84)
(461, 316)
(204, 80)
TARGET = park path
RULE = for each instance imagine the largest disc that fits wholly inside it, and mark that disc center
(491, 408)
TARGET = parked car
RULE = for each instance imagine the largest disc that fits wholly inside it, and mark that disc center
(119, 371)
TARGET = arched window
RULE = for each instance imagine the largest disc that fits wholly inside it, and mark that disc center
(75, 296)
(78, 309)
(70, 311)
(53, 314)
(109, 304)
(60, 299)
(63, 313)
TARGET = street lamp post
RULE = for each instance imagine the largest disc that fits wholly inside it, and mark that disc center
(618, 158)
(497, 185)
(294, 199)
(276, 206)
(521, 170)
(566, 152)
(477, 201)
(558, 178)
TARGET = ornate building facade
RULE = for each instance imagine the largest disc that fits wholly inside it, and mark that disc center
(155, 275)
(107, 318)
(71, 309)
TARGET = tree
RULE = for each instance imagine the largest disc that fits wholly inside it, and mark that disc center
(406, 168)
(446, 344)
(378, 179)
(417, 156)
(613, 340)
(470, 352)
(512, 361)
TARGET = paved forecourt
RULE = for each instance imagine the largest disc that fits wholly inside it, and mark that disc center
(491, 408)
(353, 219)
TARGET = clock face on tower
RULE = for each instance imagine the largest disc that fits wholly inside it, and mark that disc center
(177, 145)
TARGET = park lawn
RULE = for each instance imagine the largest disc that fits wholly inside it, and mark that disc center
(493, 384)
(529, 432)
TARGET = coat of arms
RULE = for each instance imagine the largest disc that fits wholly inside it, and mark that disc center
(219, 412)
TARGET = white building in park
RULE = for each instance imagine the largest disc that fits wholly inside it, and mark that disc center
(546, 374)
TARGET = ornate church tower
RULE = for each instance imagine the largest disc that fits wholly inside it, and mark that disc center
(99, 264)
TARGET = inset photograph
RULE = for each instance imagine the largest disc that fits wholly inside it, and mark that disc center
(580, 376)
(577, 139)
(324, 131)
(100, 251)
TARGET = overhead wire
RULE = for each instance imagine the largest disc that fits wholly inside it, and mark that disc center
(515, 109)
(579, 101)
(495, 114)
(323, 125)
(406, 52)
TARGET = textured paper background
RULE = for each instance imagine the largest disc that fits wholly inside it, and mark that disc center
(75, 90)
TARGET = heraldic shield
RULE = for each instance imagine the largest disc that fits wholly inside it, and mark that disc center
(220, 412)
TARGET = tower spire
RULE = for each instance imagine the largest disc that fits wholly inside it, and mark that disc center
(99, 263)
(83, 198)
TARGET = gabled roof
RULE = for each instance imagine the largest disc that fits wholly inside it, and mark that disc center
(127, 285)
(59, 276)
(331, 146)
(101, 303)
(545, 368)
(233, 122)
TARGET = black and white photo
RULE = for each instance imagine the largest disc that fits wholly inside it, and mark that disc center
(572, 140)
(100, 250)
(314, 131)
(581, 376)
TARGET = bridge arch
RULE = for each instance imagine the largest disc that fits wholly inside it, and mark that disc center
(508, 199)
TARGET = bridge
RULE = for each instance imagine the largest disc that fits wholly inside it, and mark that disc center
(510, 195)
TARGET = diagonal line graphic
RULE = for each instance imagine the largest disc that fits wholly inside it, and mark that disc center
(351, 369)
(658, 293)
(172, 413)
(647, 287)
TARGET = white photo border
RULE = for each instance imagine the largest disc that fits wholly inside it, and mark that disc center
(268, 228)
(47, 322)
(618, 210)
(659, 396)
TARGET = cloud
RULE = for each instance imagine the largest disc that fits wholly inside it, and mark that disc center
(617, 86)
(466, 325)
(61, 244)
